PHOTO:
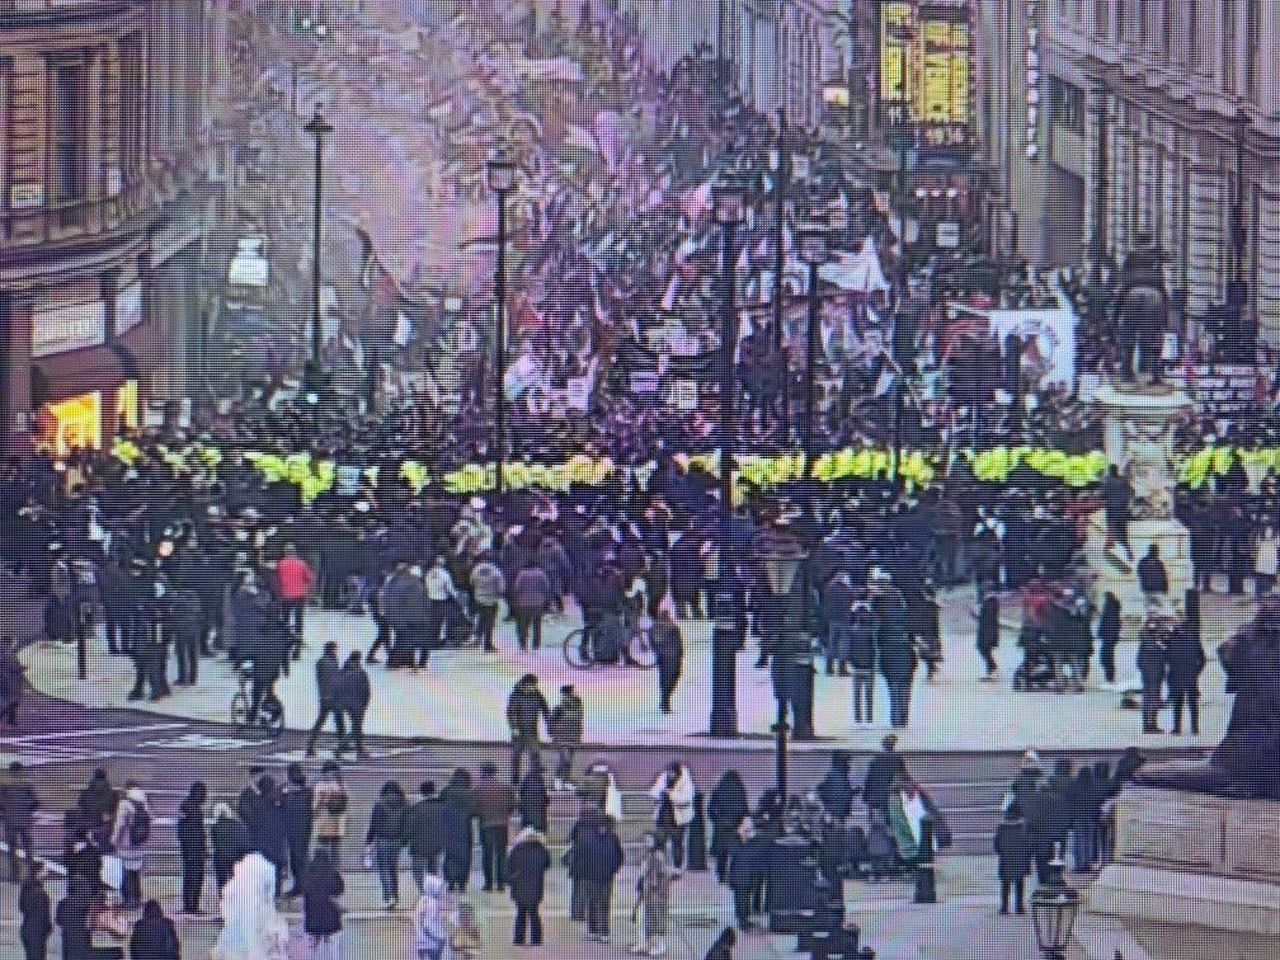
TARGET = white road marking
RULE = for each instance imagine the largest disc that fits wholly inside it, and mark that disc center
(100, 732)
(199, 741)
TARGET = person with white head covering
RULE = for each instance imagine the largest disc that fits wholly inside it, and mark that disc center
(527, 866)
(431, 921)
(251, 927)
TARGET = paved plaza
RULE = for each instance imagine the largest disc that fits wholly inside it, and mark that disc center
(462, 695)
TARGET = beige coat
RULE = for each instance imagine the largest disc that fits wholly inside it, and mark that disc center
(329, 826)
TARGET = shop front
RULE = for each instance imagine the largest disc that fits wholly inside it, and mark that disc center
(81, 360)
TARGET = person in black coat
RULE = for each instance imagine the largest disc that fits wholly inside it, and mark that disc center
(1013, 848)
(1152, 576)
(1186, 661)
(351, 695)
(533, 797)
(885, 768)
(897, 654)
(597, 859)
(1109, 635)
(1153, 664)
(726, 809)
(321, 914)
(154, 936)
(527, 866)
(747, 869)
(327, 670)
(458, 819)
(230, 840)
(989, 631)
(296, 803)
(72, 916)
(422, 829)
(36, 912)
(668, 646)
(193, 846)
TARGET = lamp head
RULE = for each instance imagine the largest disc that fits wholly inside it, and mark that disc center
(501, 172)
(813, 244)
(729, 201)
(318, 126)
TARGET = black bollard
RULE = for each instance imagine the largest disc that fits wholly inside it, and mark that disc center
(696, 855)
(926, 887)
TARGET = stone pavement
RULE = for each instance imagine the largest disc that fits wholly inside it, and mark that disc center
(462, 695)
(964, 924)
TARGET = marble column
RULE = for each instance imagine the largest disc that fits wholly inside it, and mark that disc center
(1204, 208)
(1095, 218)
(1121, 192)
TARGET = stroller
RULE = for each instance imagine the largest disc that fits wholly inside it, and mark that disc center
(1037, 670)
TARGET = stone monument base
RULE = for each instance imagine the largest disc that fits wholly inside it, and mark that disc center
(1174, 544)
(1188, 858)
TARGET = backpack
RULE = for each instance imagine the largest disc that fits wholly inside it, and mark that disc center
(139, 827)
(336, 804)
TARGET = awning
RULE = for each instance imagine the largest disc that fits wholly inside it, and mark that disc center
(103, 368)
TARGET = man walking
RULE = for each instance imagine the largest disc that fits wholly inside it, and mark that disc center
(422, 830)
(488, 587)
(295, 580)
(897, 655)
(18, 804)
(186, 622)
(327, 671)
(495, 803)
(351, 695)
(668, 646)
(601, 859)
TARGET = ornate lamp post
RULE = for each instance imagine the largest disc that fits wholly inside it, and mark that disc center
(501, 176)
(319, 128)
(813, 251)
(730, 211)
(781, 558)
(1054, 906)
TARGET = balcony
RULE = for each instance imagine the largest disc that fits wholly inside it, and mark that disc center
(21, 12)
(74, 223)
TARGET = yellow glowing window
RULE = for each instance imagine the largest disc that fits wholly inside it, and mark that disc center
(127, 405)
(76, 423)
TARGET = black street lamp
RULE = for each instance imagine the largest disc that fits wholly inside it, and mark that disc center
(785, 630)
(813, 251)
(1054, 906)
(501, 175)
(730, 211)
(319, 128)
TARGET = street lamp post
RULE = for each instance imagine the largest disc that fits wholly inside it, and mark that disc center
(813, 251)
(501, 173)
(729, 212)
(319, 128)
(780, 164)
(1054, 906)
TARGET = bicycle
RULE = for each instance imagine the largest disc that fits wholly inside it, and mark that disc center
(270, 718)
(635, 647)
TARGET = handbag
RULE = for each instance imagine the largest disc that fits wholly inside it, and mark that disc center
(112, 871)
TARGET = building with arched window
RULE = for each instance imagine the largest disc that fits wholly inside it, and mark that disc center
(102, 121)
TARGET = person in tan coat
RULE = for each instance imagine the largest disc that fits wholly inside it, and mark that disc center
(329, 806)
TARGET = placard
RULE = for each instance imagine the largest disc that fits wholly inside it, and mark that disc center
(1220, 390)
(153, 413)
(644, 382)
(578, 393)
(684, 395)
(949, 234)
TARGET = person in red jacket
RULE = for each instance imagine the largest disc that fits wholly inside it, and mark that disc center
(294, 582)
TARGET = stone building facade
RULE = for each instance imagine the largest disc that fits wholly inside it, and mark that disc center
(102, 122)
(1161, 116)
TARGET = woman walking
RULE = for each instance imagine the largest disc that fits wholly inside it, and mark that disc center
(653, 888)
(330, 801)
(321, 913)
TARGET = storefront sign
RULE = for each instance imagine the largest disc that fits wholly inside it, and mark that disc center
(73, 326)
(129, 307)
(1034, 79)
(927, 84)
(26, 196)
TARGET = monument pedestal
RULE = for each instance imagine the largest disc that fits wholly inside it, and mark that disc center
(1189, 858)
(1173, 541)
(1138, 438)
